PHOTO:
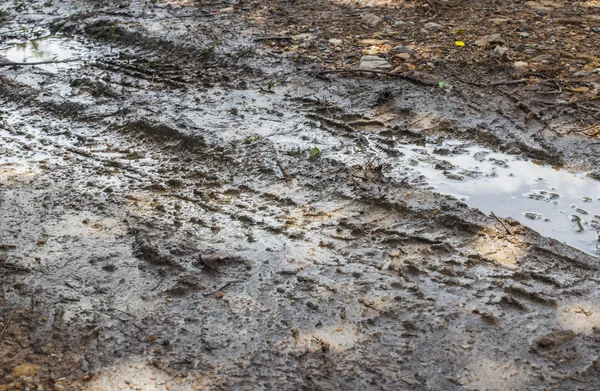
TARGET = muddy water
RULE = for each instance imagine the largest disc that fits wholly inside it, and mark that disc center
(555, 202)
(49, 48)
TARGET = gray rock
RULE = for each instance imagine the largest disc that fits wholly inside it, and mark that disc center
(374, 63)
(432, 26)
(403, 49)
(494, 39)
(498, 51)
(372, 20)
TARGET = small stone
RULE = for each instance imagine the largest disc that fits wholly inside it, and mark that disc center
(228, 10)
(499, 51)
(498, 20)
(494, 39)
(24, 369)
(336, 42)
(374, 63)
(520, 64)
(524, 35)
(432, 26)
(402, 56)
(581, 73)
(403, 49)
(371, 42)
(312, 305)
(372, 20)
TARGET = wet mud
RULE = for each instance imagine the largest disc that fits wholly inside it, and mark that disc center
(182, 208)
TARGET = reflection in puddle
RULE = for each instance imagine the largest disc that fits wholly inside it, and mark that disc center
(556, 203)
(50, 48)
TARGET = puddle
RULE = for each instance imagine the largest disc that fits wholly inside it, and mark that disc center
(556, 203)
(49, 48)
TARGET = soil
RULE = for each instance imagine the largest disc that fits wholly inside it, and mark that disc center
(195, 204)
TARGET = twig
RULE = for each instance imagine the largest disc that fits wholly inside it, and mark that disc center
(221, 288)
(508, 82)
(495, 84)
(10, 64)
(332, 122)
(272, 38)
(121, 311)
(587, 127)
(403, 76)
(501, 223)
(121, 320)
(283, 172)
(12, 314)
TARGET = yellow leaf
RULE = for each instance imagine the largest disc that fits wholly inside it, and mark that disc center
(459, 43)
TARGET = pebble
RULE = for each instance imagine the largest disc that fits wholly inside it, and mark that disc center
(498, 20)
(25, 369)
(498, 51)
(336, 42)
(374, 63)
(494, 39)
(372, 20)
(520, 64)
(432, 26)
(403, 49)
(371, 42)
(402, 56)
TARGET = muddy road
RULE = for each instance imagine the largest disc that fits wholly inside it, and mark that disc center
(184, 208)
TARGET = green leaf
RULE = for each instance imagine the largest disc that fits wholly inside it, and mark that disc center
(314, 152)
(442, 84)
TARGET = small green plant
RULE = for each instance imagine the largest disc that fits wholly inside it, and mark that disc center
(442, 84)
(113, 33)
(314, 153)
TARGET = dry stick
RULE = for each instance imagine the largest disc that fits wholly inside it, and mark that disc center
(221, 288)
(391, 74)
(272, 38)
(10, 64)
(587, 127)
(7, 323)
(501, 223)
(495, 84)
(121, 320)
(283, 172)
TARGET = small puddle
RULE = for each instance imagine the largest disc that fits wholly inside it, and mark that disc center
(554, 202)
(50, 48)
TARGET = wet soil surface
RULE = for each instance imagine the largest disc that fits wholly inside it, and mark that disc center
(181, 208)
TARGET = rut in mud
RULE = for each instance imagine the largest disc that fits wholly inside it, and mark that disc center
(181, 208)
